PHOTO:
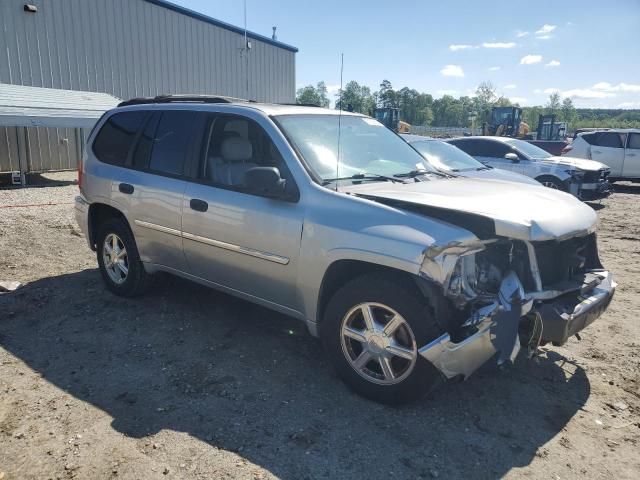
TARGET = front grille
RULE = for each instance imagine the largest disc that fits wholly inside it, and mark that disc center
(564, 260)
(595, 177)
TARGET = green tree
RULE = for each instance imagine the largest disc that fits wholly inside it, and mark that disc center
(486, 98)
(387, 96)
(355, 97)
(553, 105)
(311, 95)
(568, 113)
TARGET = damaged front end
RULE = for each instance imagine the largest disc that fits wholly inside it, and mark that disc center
(508, 293)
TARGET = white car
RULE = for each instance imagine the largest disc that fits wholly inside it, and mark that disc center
(585, 179)
(448, 158)
(617, 148)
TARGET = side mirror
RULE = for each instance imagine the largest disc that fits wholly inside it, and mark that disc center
(265, 181)
(512, 156)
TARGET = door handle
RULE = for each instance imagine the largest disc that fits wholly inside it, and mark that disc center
(597, 151)
(631, 154)
(126, 188)
(198, 205)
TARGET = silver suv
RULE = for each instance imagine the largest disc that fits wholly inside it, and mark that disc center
(408, 274)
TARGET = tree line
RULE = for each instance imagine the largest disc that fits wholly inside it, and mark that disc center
(419, 108)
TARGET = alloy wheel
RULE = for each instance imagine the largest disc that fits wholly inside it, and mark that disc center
(114, 256)
(378, 343)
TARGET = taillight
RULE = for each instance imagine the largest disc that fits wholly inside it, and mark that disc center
(566, 150)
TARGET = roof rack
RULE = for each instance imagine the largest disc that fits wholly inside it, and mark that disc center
(300, 104)
(182, 99)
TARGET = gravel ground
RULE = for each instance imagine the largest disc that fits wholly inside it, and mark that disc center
(190, 383)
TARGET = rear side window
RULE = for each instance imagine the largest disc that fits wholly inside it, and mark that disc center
(467, 147)
(115, 138)
(634, 140)
(609, 139)
(483, 148)
(171, 142)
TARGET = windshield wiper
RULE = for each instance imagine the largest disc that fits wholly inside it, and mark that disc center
(418, 173)
(363, 176)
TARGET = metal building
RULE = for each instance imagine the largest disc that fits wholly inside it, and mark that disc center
(132, 48)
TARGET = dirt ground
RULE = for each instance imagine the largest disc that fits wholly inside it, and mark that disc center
(190, 383)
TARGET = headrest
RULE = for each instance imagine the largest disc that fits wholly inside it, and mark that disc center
(236, 149)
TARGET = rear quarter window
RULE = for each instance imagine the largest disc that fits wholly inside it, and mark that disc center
(116, 137)
(590, 138)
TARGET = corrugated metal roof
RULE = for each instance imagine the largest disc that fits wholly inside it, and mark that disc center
(22, 106)
(219, 23)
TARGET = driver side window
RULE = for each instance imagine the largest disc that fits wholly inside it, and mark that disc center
(234, 145)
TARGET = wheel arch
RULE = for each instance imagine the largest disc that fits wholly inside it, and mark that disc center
(342, 271)
(99, 213)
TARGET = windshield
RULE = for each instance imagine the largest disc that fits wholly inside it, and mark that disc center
(445, 156)
(366, 146)
(529, 149)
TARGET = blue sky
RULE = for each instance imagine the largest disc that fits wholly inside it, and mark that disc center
(588, 50)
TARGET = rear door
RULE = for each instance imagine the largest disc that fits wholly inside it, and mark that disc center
(232, 237)
(157, 184)
(608, 148)
(631, 167)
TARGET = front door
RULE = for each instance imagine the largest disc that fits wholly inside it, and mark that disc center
(232, 237)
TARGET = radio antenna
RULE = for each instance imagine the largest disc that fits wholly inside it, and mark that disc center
(246, 51)
(339, 120)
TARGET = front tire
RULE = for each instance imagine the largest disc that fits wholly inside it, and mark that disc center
(119, 261)
(372, 330)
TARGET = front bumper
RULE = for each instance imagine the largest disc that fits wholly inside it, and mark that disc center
(595, 191)
(495, 326)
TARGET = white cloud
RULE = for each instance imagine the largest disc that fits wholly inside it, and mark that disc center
(586, 93)
(546, 29)
(511, 86)
(453, 93)
(452, 71)
(494, 69)
(520, 100)
(553, 63)
(333, 89)
(530, 59)
(457, 47)
(499, 44)
(621, 87)
(600, 90)
(537, 90)
(521, 34)
(544, 37)
(629, 105)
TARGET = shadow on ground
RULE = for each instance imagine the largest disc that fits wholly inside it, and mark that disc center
(248, 380)
(627, 187)
(36, 180)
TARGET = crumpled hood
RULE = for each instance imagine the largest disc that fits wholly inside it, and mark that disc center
(519, 211)
(581, 163)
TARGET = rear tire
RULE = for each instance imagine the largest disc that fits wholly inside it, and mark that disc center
(381, 361)
(552, 182)
(122, 271)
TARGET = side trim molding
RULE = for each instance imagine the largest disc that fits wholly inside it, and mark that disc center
(237, 248)
(159, 228)
(270, 257)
